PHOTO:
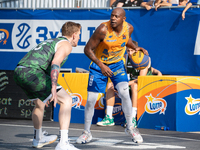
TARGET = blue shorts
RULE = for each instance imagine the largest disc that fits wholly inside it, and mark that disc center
(97, 81)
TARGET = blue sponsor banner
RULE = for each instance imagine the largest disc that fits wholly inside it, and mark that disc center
(5, 33)
(167, 119)
(188, 108)
(173, 44)
(172, 102)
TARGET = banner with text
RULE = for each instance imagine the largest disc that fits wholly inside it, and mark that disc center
(173, 44)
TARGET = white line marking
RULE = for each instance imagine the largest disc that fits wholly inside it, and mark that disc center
(126, 145)
(28, 126)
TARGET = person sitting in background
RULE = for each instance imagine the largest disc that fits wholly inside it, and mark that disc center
(182, 2)
(170, 3)
(149, 4)
(190, 3)
(162, 3)
(110, 94)
(113, 3)
(129, 3)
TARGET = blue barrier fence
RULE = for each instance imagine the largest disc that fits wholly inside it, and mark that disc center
(173, 44)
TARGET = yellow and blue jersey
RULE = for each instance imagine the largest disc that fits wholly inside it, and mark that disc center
(112, 48)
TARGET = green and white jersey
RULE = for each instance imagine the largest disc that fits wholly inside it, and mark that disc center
(41, 56)
(134, 73)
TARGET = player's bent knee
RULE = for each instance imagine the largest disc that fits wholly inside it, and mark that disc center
(66, 101)
(134, 87)
(123, 90)
(39, 104)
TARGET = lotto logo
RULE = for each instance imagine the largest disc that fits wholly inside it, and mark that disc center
(193, 105)
(5, 35)
(155, 105)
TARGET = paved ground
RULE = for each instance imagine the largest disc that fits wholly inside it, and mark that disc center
(18, 134)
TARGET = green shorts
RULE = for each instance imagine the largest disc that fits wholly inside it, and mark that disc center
(34, 82)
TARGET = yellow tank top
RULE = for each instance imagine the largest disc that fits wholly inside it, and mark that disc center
(112, 48)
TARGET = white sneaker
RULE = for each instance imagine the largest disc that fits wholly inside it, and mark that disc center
(135, 135)
(65, 146)
(84, 138)
(44, 140)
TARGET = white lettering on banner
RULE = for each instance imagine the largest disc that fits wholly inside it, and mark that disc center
(26, 34)
(197, 44)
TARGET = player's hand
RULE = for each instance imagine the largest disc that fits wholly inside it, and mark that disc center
(54, 96)
(142, 49)
(47, 104)
(183, 16)
(106, 71)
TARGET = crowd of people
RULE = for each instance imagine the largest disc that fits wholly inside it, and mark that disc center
(149, 4)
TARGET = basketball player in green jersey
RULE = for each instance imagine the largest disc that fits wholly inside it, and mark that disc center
(37, 74)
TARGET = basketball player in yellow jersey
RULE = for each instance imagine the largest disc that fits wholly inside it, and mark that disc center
(106, 49)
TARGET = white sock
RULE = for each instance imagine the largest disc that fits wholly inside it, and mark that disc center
(63, 136)
(37, 134)
(109, 111)
(134, 112)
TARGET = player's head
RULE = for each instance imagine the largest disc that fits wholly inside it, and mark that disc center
(130, 51)
(118, 16)
(72, 30)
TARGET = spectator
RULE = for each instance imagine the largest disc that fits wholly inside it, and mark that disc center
(149, 4)
(129, 3)
(162, 3)
(171, 3)
(182, 2)
(113, 3)
(190, 3)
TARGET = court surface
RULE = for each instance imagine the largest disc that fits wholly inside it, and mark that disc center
(18, 134)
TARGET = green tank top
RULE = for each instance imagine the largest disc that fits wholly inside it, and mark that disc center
(134, 73)
(41, 56)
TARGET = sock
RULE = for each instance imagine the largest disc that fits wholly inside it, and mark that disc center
(109, 111)
(37, 134)
(134, 112)
(63, 136)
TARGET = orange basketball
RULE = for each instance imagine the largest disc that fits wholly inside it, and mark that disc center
(139, 60)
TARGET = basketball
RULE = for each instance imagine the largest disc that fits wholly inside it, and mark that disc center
(139, 60)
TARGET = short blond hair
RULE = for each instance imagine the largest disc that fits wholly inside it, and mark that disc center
(70, 28)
